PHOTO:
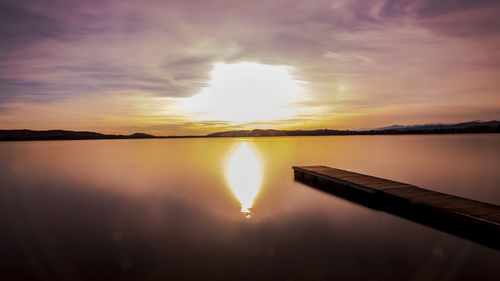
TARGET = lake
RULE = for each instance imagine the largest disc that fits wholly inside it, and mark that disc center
(229, 209)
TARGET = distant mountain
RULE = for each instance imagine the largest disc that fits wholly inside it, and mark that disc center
(392, 127)
(276, 133)
(20, 135)
(140, 136)
(473, 127)
(460, 128)
(441, 126)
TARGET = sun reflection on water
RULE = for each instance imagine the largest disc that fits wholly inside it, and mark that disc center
(244, 176)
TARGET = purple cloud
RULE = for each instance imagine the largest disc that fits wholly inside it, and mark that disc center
(390, 53)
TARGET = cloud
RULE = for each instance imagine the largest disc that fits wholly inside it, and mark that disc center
(348, 57)
(389, 52)
(429, 8)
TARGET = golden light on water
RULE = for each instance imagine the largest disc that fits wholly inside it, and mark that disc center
(244, 176)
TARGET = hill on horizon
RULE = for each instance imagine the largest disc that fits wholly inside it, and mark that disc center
(24, 134)
(458, 128)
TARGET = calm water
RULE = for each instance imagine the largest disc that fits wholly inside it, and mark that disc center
(219, 209)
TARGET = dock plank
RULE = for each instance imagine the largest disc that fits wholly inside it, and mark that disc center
(474, 220)
(354, 178)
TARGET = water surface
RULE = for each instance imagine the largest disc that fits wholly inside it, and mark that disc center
(228, 209)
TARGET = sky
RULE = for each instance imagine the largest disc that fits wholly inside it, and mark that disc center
(195, 67)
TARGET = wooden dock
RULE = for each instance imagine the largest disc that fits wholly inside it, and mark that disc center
(470, 219)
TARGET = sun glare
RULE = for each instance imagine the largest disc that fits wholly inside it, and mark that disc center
(244, 176)
(247, 92)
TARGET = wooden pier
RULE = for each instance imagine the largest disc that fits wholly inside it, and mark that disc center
(470, 219)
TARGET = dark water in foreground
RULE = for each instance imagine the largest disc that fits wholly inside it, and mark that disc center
(172, 209)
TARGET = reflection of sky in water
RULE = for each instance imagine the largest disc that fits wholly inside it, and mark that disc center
(244, 175)
(162, 209)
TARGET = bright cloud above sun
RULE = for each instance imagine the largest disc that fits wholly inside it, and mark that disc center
(122, 66)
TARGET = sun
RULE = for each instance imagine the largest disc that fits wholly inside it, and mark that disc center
(247, 92)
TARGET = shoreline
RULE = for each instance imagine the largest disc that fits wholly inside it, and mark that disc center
(243, 136)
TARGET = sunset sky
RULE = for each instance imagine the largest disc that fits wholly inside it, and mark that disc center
(195, 67)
